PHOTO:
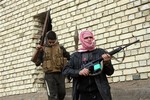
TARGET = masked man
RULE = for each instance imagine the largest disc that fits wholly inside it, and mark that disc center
(85, 86)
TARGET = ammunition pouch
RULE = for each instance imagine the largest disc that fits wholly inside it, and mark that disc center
(53, 59)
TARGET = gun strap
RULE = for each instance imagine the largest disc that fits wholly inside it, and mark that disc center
(120, 61)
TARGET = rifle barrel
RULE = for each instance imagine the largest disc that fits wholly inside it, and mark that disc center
(130, 44)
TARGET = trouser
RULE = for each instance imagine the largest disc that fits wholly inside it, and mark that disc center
(90, 96)
(55, 84)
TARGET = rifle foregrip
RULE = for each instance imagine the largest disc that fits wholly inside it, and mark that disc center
(115, 51)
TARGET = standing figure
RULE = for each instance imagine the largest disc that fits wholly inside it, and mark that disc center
(86, 86)
(53, 57)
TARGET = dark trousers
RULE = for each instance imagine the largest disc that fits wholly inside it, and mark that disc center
(90, 96)
(55, 83)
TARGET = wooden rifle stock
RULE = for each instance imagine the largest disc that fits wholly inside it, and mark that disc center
(35, 56)
(47, 27)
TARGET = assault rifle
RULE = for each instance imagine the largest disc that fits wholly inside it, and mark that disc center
(94, 64)
(47, 27)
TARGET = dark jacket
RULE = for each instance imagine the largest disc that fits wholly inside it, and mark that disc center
(74, 66)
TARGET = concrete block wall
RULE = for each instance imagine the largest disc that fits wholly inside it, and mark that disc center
(114, 23)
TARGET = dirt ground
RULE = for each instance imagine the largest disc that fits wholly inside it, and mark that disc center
(131, 90)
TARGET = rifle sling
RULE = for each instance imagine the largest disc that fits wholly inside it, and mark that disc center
(120, 61)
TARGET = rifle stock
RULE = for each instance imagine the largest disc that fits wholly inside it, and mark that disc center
(47, 27)
(35, 56)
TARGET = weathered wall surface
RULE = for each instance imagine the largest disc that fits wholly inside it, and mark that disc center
(114, 23)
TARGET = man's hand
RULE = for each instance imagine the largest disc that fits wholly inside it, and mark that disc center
(39, 47)
(106, 58)
(84, 72)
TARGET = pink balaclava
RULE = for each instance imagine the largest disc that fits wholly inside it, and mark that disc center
(86, 46)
